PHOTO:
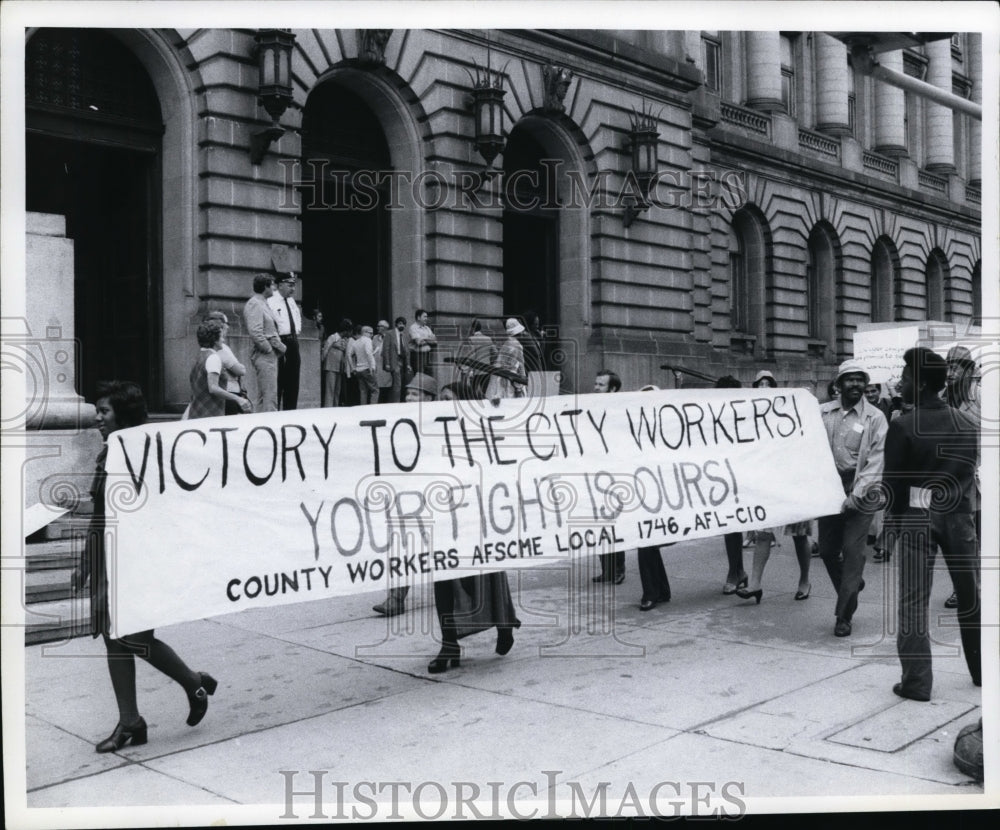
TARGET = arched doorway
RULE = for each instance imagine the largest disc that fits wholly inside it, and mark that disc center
(346, 264)
(530, 230)
(93, 141)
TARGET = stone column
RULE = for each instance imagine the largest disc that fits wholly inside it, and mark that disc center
(50, 347)
(832, 89)
(764, 70)
(975, 59)
(890, 110)
(940, 154)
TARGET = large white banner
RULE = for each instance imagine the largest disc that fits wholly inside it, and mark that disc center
(218, 515)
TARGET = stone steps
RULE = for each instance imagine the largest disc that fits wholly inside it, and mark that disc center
(47, 622)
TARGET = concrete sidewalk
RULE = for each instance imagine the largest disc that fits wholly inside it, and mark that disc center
(755, 702)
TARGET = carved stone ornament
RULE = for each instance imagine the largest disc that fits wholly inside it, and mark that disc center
(557, 80)
(371, 46)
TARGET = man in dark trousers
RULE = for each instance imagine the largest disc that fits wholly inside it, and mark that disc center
(856, 431)
(289, 318)
(930, 467)
(612, 564)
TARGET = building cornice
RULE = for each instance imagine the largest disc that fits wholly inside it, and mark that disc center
(730, 146)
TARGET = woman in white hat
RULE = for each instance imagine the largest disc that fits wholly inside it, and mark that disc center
(470, 604)
(510, 361)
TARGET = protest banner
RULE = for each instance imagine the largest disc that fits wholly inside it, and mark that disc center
(218, 515)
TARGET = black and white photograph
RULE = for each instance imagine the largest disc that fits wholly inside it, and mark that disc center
(518, 411)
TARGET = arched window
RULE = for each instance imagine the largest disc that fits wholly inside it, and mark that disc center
(749, 265)
(977, 294)
(935, 277)
(884, 282)
(822, 279)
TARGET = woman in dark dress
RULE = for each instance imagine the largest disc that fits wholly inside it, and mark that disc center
(120, 405)
(471, 603)
(736, 577)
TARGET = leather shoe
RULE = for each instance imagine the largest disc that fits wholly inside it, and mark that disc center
(198, 699)
(619, 578)
(842, 628)
(505, 639)
(952, 601)
(730, 588)
(136, 733)
(898, 689)
(647, 604)
(388, 608)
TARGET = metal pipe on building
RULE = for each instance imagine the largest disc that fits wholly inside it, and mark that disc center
(863, 58)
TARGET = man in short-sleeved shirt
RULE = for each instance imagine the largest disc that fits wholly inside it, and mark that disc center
(289, 321)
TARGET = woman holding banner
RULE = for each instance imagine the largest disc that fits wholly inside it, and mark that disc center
(764, 539)
(120, 404)
(736, 578)
(471, 603)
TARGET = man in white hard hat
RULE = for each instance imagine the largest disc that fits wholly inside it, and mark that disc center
(856, 431)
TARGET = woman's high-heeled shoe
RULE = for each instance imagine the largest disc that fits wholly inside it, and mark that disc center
(750, 594)
(505, 639)
(199, 698)
(729, 588)
(136, 734)
(449, 654)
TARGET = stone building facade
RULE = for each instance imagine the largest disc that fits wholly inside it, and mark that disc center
(795, 198)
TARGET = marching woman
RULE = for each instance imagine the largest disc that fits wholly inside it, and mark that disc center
(764, 539)
(471, 603)
(120, 405)
(736, 577)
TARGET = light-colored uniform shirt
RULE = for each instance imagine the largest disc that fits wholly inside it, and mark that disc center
(277, 304)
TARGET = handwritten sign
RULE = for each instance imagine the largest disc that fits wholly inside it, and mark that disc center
(222, 514)
(880, 351)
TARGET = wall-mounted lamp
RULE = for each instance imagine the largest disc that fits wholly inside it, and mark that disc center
(642, 143)
(486, 103)
(274, 86)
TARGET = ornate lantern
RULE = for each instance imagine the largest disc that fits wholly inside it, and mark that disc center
(274, 86)
(642, 142)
